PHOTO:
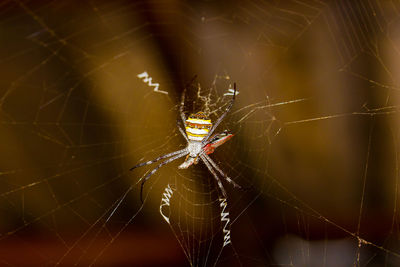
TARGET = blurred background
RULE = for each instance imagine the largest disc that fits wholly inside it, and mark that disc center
(315, 122)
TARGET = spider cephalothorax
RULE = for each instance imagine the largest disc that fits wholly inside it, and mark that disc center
(197, 128)
(199, 144)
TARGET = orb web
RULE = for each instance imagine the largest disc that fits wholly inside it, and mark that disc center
(88, 92)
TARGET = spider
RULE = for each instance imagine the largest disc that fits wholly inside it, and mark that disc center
(200, 144)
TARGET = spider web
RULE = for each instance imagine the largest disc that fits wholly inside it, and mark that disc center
(88, 91)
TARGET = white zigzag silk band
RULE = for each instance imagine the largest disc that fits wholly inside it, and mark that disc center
(147, 79)
(168, 192)
(225, 218)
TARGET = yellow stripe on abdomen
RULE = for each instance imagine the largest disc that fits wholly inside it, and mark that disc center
(197, 131)
(197, 128)
(198, 121)
(196, 134)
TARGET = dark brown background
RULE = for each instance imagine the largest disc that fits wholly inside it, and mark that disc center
(315, 123)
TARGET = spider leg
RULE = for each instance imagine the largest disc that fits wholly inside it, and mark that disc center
(157, 159)
(144, 179)
(215, 175)
(183, 117)
(222, 116)
(182, 131)
(227, 178)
